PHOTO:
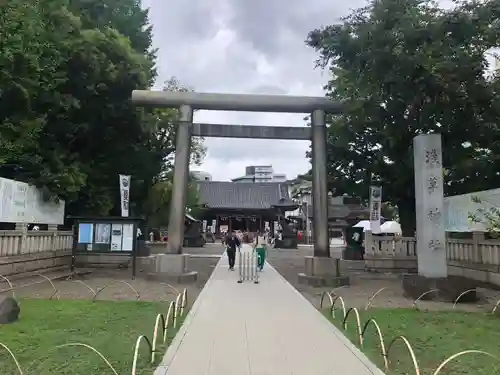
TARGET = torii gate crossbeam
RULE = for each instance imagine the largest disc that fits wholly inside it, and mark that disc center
(187, 102)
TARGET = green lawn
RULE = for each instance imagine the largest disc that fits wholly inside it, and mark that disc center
(434, 336)
(110, 327)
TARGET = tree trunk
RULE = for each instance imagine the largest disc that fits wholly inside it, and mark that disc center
(407, 218)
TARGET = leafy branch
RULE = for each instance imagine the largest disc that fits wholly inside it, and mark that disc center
(489, 216)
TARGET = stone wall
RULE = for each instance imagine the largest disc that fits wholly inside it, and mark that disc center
(37, 262)
(101, 260)
(23, 251)
(475, 258)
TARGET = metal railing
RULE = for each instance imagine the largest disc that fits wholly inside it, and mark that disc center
(248, 267)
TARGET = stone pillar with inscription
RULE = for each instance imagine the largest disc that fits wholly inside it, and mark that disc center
(431, 239)
(432, 280)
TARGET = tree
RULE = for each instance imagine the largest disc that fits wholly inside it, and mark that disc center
(71, 86)
(405, 68)
(486, 214)
(125, 16)
(163, 123)
(159, 198)
(67, 124)
(29, 60)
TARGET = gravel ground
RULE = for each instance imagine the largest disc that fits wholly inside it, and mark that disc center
(364, 285)
(118, 284)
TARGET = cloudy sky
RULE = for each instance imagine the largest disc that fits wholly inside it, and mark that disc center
(244, 46)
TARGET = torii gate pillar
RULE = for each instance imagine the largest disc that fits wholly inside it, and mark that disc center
(321, 269)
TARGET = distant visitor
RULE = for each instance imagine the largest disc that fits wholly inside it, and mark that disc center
(232, 242)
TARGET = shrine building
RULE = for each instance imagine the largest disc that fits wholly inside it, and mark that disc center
(241, 206)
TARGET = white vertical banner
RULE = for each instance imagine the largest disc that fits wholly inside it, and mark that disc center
(375, 208)
(125, 194)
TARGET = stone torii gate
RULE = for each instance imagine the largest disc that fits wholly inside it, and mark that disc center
(318, 268)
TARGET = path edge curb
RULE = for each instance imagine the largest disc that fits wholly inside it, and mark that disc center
(347, 343)
(173, 348)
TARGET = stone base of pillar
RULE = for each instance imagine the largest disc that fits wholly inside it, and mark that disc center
(321, 272)
(446, 289)
(167, 267)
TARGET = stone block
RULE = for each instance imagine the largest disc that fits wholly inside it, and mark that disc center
(322, 271)
(157, 247)
(391, 264)
(112, 260)
(319, 266)
(13, 265)
(9, 310)
(168, 267)
(323, 281)
(352, 265)
(474, 274)
(449, 288)
(455, 271)
(174, 264)
(146, 264)
(185, 278)
(494, 278)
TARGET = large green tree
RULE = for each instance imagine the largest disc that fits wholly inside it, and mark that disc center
(30, 57)
(405, 68)
(76, 82)
(67, 125)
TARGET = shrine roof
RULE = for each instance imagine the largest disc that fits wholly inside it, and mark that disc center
(241, 195)
(339, 211)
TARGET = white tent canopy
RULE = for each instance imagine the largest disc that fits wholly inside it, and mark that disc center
(365, 224)
(391, 227)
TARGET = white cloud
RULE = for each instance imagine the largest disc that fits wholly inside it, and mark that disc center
(244, 46)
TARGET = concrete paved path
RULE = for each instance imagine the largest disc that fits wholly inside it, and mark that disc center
(259, 329)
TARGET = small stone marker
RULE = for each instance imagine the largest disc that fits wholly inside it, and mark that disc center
(9, 310)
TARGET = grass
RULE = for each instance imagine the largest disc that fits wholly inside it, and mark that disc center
(111, 327)
(434, 336)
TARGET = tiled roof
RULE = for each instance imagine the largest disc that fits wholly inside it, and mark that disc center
(241, 195)
(286, 202)
(340, 211)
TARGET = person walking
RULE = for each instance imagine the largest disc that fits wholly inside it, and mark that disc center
(259, 246)
(232, 242)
